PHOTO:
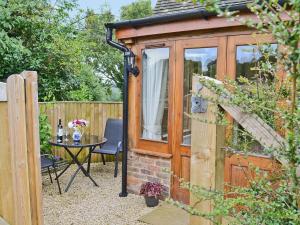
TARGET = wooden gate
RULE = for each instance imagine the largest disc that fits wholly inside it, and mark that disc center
(20, 173)
(210, 169)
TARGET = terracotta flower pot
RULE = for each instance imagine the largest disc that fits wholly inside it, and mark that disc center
(151, 201)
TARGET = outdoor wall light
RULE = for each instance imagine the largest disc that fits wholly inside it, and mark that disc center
(132, 68)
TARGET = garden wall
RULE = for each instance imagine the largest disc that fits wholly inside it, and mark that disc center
(144, 168)
(95, 112)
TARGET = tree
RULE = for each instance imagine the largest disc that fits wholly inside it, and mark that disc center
(107, 61)
(36, 35)
(70, 54)
(268, 199)
(137, 9)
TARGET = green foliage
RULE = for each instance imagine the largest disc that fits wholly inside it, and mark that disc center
(37, 35)
(260, 203)
(45, 134)
(91, 87)
(107, 61)
(69, 53)
(34, 37)
(269, 199)
(137, 9)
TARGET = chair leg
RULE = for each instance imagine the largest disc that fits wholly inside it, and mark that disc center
(56, 178)
(103, 159)
(116, 164)
(50, 175)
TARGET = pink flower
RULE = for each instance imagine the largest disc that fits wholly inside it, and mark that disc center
(78, 123)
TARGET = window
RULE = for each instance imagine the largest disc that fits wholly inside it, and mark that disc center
(154, 122)
(248, 57)
(201, 61)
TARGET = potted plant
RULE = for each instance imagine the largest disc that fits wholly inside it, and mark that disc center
(151, 192)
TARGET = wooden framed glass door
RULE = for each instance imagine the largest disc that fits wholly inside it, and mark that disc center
(205, 56)
(243, 55)
(214, 57)
(154, 111)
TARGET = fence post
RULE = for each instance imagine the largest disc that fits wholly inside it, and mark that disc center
(18, 150)
(20, 173)
(33, 146)
(207, 156)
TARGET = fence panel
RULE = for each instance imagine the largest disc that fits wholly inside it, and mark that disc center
(95, 112)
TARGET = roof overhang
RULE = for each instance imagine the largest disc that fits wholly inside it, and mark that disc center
(172, 17)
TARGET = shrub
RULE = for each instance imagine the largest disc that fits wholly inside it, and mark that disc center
(45, 134)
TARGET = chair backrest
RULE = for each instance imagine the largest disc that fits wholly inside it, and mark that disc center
(113, 131)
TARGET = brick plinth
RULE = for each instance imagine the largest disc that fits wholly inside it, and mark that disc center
(144, 168)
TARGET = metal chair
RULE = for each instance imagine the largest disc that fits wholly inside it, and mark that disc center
(113, 146)
(48, 161)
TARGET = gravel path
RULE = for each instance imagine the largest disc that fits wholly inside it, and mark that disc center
(85, 204)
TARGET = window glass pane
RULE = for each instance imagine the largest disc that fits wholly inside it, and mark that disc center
(248, 57)
(196, 61)
(154, 123)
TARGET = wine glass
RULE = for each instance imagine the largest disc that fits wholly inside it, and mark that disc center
(66, 133)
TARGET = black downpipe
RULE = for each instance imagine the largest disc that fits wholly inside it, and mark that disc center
(126, 52)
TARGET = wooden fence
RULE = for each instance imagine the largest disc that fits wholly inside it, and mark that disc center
(95, 112)
(20, 172)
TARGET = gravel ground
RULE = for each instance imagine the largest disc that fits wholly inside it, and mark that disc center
(86, 204)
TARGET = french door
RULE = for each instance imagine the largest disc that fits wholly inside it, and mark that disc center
(217, 57)
(243, 54)
(162, 124)
(207, 57)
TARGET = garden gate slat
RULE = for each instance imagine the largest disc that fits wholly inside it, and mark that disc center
(20, 175)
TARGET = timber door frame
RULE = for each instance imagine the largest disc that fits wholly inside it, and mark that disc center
(182, 153)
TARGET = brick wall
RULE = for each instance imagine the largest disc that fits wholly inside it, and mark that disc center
(143, 168)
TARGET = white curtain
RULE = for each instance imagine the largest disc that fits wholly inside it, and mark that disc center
(154, 90)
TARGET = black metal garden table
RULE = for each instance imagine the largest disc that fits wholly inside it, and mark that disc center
(87, 141)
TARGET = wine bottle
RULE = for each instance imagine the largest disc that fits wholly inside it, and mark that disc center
(59, 131)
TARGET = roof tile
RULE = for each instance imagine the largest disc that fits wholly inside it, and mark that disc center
(173, 6)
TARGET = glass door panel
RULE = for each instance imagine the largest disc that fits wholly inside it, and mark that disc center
(154, 98)
(248, 58)
(202, 61)
(154, 101)
(245, 53)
